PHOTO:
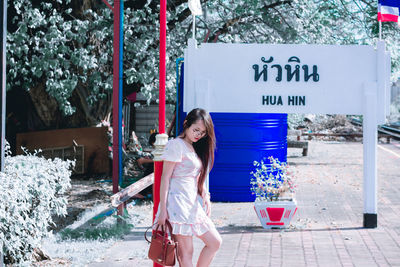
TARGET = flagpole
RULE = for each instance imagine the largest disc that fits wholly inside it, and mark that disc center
(380, 30)
(194, 26)
(195, 9)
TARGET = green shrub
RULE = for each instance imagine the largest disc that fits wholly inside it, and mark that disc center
(31, 192)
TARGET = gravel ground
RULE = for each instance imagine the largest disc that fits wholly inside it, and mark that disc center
(329, 176)
(326, 230)
(83, 195)
(86, 199)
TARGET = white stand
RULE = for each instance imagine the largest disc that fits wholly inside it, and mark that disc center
(370, 136)
(374, 113)
(161, 142)
(194, 27)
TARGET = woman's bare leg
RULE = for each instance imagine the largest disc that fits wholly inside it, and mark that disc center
(185, 250)
(212, 241)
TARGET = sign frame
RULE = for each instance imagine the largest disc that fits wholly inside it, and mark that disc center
(372, 88)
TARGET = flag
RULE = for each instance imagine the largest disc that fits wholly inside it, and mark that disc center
(388, 10)
(195, 7)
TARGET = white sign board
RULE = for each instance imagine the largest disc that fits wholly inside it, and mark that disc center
(264, 78)
(326, 79)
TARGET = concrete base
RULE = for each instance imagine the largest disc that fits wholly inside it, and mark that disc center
(370, 220)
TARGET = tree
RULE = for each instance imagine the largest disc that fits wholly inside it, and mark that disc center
(60, 52)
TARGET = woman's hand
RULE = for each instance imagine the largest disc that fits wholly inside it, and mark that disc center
(141, 161)
(162, 217)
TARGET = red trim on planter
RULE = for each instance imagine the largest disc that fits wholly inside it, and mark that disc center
(275, 214)
(287, 214)
(275, 223)
(263, 214)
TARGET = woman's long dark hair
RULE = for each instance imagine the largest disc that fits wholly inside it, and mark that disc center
(205, 146)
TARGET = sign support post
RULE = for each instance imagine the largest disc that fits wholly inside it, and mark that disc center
(3, 34)
(370, 135)
(117, 97)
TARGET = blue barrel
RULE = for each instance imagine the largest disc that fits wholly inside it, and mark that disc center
(243, 138)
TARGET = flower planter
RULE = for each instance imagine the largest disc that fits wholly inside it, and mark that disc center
(275, 214)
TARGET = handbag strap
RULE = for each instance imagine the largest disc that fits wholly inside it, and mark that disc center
(176, 249)
(145, 234)
(169, 226)
(163, 231)
(151, 227)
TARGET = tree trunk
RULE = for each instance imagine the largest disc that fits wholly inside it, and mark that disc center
(39, 255)
(45, 105)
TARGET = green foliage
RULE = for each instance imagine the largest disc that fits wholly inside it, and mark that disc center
(271, 181)
(101, 231)
(32, 191)
(66, 52)
(52, 46)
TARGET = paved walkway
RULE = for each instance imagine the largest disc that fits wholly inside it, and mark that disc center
(326, 231)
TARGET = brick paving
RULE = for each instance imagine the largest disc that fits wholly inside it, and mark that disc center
(327, 229)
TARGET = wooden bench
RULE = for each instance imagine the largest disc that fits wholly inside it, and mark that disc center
(116, 200)
(128, 192)
(297, 143)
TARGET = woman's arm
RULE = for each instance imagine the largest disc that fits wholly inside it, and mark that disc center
(142, 161)
(168, 168)
(206, 193)
(206, 200)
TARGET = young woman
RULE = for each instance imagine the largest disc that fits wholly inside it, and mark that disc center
(187, 160)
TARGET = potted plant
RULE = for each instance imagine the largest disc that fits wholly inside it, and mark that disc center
(274, 189)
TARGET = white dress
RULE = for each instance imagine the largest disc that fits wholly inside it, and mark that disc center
(184, 207)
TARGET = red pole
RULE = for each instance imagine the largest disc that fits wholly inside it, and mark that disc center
(163, 36)
(158, 165)
(161, 103)
(116, 124)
